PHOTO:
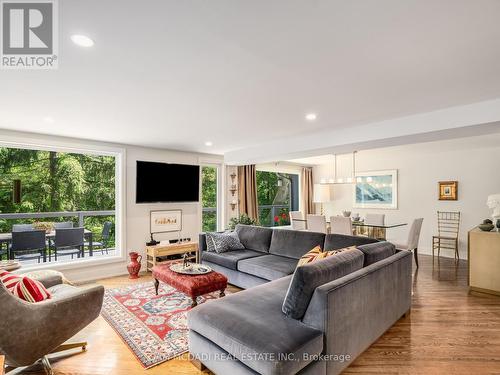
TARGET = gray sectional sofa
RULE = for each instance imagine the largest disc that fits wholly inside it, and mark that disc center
(313, 320)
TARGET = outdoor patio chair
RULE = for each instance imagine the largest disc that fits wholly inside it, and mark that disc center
(105, 237)
(63, 225)
(28, 245)
(22, 227)
(68, 242)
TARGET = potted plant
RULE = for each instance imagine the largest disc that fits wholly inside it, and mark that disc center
(242, 219)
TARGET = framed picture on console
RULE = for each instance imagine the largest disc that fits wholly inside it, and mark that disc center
(165, 221)
(376, 189)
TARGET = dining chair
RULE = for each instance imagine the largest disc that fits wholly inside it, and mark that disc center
(22, 227)
(413, 237)
(340, 225)
(63, 225)
(103, 244)
(27, 245)
(448, 230)
(297, 225)
(375, 219)
(373, 232)
(68, 241)
(316, 223)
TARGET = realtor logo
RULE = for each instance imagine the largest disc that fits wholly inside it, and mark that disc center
(29, 34)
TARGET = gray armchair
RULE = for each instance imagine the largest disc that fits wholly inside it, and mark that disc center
(31, 331)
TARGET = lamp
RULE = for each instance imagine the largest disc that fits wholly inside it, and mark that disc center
(321, 194)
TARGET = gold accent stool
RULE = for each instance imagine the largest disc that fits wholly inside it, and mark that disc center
(153, 252)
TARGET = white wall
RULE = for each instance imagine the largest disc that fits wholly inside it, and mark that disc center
(135, 216)
(473, 162)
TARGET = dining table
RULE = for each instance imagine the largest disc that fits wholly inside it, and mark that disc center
(378, 231)
(6, 238)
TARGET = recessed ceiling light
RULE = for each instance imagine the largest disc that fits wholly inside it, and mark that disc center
(208, 143)
(48, 120)
(82, 40)
(311, 116)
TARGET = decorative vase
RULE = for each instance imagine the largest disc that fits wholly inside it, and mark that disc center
(498, 225)
(135, 265)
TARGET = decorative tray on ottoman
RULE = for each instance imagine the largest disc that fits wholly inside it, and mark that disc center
(191, 269)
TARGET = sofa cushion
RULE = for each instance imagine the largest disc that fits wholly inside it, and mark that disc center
(254, 238)
(222, 242)
(294, 243)
(243, 323)
(269, 267)
(377, 251)
(308, 277)
(339, 241)
(229, 259)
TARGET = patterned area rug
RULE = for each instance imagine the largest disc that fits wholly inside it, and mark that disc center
(153, 327)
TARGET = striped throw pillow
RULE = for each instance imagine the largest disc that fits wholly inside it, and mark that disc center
(31, 290)
(310, 256)
(9, 279)
(317, 254)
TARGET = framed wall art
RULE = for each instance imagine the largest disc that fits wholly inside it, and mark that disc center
(376, 189)
(165, 221)
(448, 190)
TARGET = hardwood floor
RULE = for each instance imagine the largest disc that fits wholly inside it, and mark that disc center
(449, 331)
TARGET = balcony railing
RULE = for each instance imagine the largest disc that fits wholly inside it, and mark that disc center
(42, 215)
(95, 245)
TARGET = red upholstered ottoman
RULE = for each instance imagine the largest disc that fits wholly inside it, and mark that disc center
(192, 285)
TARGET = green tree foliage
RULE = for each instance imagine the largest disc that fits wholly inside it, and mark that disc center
(57, 181)
(209, 198)
(270, 193)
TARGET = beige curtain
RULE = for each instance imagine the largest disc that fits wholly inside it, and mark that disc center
(307, 191)
(247, 191)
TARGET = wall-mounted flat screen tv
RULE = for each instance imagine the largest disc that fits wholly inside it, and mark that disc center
(163, 182)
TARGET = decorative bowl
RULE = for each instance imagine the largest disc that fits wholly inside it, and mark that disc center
(486, 227)
(487, 221)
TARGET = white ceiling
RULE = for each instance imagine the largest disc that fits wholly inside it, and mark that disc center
(175, 74)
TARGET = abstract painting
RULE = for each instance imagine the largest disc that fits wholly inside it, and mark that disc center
(376, 189)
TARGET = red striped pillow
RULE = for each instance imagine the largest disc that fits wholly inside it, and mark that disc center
(31, 290)
(9, 279)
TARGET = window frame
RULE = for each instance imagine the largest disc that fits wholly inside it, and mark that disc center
(285, 169)
(220, 171)
(43, 143)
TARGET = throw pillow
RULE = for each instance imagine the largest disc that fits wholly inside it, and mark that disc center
(9, 279)
(31, 290)
(317, 254)
(308, 277)
(222, 242)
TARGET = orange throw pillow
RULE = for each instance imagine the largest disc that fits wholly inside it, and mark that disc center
(317, 254)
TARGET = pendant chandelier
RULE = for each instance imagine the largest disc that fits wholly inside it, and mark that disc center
(341, 180)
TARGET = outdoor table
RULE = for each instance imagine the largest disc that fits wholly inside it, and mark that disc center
(6, 238)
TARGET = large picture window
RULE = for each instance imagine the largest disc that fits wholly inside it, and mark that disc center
(277, 195)
(71, 196)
